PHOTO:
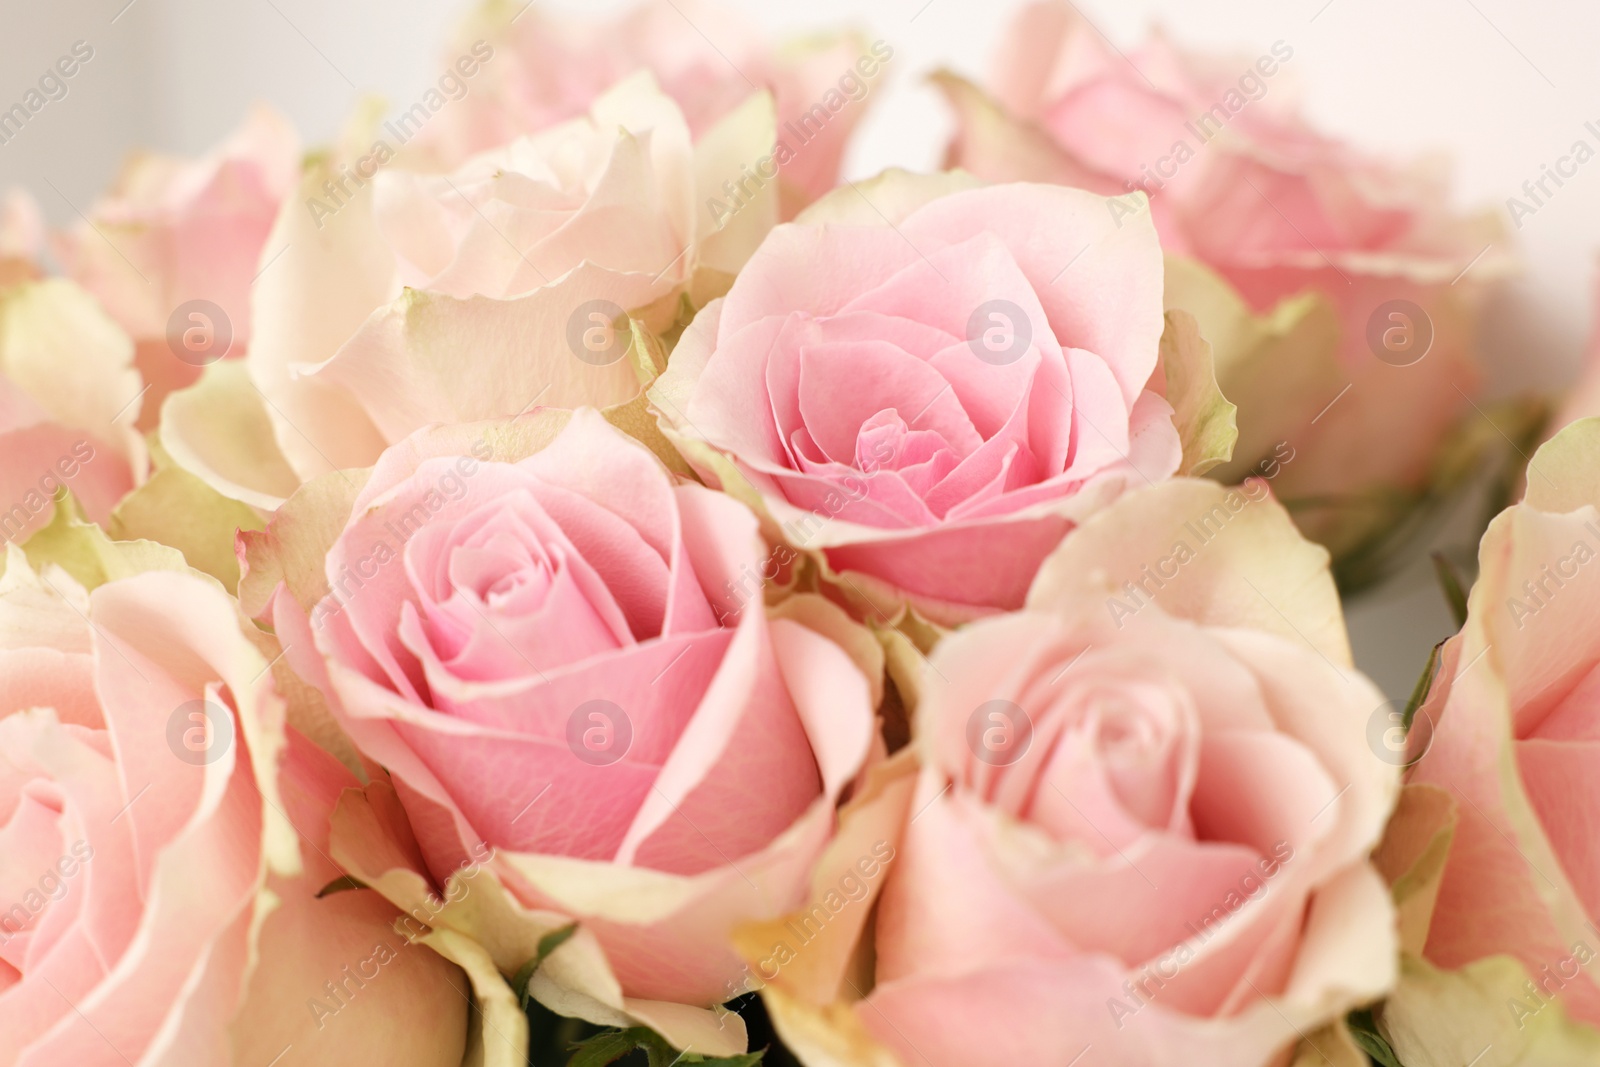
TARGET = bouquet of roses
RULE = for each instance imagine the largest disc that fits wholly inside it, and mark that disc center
(560, 576)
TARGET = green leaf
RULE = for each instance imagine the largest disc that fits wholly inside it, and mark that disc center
(342, 884)
(611, 1045)
(547, 944)
(1450, 583)
(1419, 693)
(555, 939)
(1365, 1032)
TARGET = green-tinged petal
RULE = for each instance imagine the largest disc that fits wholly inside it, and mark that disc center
(1483, 1014)
(84, 551)
(649, 358)
(1331, 1046)
(497, 1031)
(1564, 475)
(1215, 555)
(37, 611)
(62, 350)
(1279, 369)
(1412, 857)
(888, 197)
(332, 267)
(220, 431)
(729, 228)
(293, 546)
(1203, 416)
(431, 358)
(178, 509)
(998, 147)
(370, 842)
(830, 1035)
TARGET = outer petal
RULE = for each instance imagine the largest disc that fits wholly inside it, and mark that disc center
(1217, 556)
(333, 271)
(75, 364)
(430, 358)
(391, 995)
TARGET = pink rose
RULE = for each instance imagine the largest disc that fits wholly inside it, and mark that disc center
(171, 250)
(930, 390)
(405, 299)
(1512, 723)
(1295, 251)
(548, 654)
(70, 397)
(546, 69)
(155, 906)
(1145, 810)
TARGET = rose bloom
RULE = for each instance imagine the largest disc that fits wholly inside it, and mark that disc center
(70, 397)
(551, 658)
(1513, 740)
(548, 68)
(404, 299)
(1290, 247)
(1145, 809)
(172, 230)
(929, 390)
(154, 904)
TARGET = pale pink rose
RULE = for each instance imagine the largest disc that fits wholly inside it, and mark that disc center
(1510, 731)
(1139, 832)
(548, 68)
(70, 397)
(930, 398)
(553, 659)
(404, 299)
(1240, 184)
(155, 907)
(172, 231)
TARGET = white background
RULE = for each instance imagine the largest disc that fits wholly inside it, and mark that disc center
(1500, 86)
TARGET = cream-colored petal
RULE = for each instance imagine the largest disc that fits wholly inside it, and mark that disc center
(1481, 1014)
(220, 430)
(1205, 420)
(1217, 556)
(74, 362)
